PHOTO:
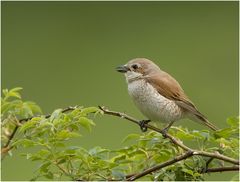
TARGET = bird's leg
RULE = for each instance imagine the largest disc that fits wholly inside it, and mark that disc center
(142, 124)
(165, 130)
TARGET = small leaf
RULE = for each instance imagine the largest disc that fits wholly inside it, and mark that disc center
(24, 143)
(44, 167)
(184, 134)
(6, 106)
(86, 123)
(65, 134)
(233, 122)
(16, 89)
(97, 150)
(28, 125)
(118, 158)
(56, 114)
(132, 136)
(188, 171)
(49, 175)
(223, 133)
(61, 161)
(34, 107)
(88, 110)
(26, 111)
(5, 92)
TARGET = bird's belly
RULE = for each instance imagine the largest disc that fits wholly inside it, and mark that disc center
(153, 105)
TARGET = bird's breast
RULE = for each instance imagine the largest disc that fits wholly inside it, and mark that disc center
(152, 104)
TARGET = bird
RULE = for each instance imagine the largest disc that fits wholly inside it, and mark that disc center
(158, 95)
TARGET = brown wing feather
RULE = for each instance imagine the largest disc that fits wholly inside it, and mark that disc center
(168, 87)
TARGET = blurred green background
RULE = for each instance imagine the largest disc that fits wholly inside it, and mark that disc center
(64, 53)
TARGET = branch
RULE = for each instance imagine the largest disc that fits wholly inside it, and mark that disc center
(6, 147)
(210, 170)
(222, 169)
(160, 166)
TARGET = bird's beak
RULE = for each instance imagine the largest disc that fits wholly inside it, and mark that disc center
(122, 69)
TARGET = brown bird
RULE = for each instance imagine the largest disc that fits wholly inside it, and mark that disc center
(158, 95)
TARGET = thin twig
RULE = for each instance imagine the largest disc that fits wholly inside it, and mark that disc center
(217, 156)
(222, 169)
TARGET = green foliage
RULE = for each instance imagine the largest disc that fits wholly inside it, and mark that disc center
(50, 136)
(13, 109)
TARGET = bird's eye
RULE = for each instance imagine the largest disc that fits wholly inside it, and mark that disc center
(134, 66)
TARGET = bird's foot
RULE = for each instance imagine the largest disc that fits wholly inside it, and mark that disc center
(164, 132)
(142, 125)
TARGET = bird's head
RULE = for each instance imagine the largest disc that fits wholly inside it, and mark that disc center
(138, 68)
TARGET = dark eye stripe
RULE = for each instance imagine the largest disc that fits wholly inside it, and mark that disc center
(134, 66)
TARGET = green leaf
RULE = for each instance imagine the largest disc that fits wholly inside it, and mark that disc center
(223, 133)
(61, 161)
(26, 111)
(33, 106)
(6, 106)
(118, 158)
(12, 93)
(86, 123)
(16, 89)
(65, 134)
(88, 110)
(97, 150)
(233, 122)
(183, 134)
(49, 175)
(132, 136)
(56, 114)
(44, 167)
(188, 171)
(5, 92)
(24, 143)
(43, 152)
(28, 125)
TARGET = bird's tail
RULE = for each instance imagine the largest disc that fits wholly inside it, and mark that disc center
(205, 121)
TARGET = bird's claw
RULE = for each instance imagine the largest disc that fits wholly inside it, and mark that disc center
(164, 132)
(142, 125)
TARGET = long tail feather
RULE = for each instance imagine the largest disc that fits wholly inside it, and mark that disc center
(206, 122)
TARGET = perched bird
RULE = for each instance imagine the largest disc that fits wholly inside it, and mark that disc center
(158, 95)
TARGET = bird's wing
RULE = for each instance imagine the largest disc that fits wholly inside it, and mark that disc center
(168, 87)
